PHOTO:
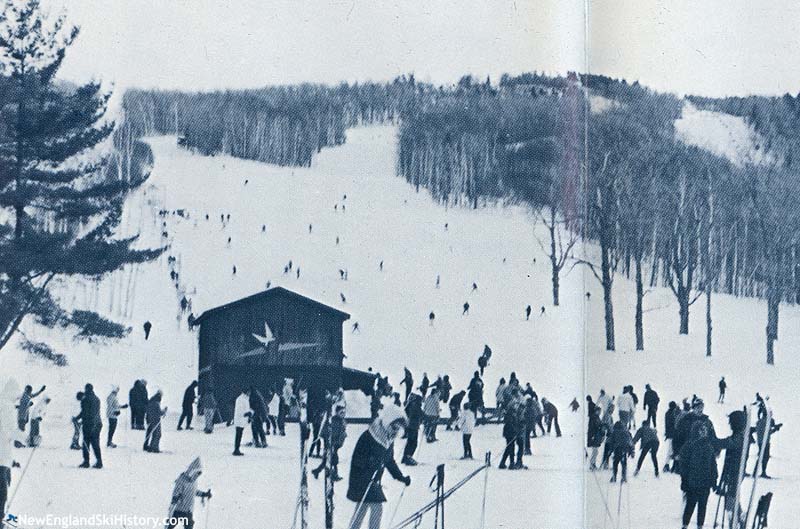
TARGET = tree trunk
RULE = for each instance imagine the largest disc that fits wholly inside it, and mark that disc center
(683, 309)
(773, 306)
(607, 281)
(709, 325)
(639, 301)
(554, 262)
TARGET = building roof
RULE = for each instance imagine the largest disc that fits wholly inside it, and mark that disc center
(275, 292)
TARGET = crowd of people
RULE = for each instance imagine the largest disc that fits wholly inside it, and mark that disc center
(692, 444)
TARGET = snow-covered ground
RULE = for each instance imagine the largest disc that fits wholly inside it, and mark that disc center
(385, 220)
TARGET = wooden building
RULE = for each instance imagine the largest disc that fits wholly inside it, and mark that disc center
(263, 339)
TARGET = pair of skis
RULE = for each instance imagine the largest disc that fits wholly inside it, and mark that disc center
(737, 520)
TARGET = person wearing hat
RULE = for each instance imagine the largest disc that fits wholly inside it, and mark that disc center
(698, 469)
(373, 452)
(113, 411)
(187, 406)
(733, 444)
(686, 428)
(92, 425)
(153, 416)
(183, 495)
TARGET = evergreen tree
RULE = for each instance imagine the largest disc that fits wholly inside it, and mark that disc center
(59, 208)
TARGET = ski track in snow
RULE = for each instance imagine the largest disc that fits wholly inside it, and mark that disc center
(385, 220)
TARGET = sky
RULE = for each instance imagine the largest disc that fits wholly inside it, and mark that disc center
(716, 47)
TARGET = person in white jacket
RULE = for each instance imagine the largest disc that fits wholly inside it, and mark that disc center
(37, 414)
(466, 423)
(241, 417)
(9, 434)
(625, 407)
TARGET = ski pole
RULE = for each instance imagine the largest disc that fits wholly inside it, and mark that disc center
(396, 507)
(19, 482)
(208, 511)
(364, 497)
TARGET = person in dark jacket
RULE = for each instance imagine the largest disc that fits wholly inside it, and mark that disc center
(259, 407)
(408, 382)
(153, 416)
(335, 432)
(551, 412)
(698, 468)
(651, 401)
(511, 426)
(374, 452)
(761, 431)
(595, 434)
(722, 387)
(187, 407)
(423, 387)
(622, 447)
(733, 445)
(670, 418)
(137, 400)
(688, 424)
(414, 415)
(649, 438)
(92, 425)
(455, 406)
(475, 392)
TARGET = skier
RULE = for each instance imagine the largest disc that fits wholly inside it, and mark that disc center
(76, 423)
(37, 415)
(530, 423)
(541, 312)
(423, 388)
(528, 313)
(474, 287)
(482, 363)
(500, 396)
(466, 423)
(9, 436)
(183, 495)
(649, 438)
(24, 405)
(761, 431)
(551, 412)
(259, 408)
(147, 327)
(632, 423)
(698, 470)
(622, 447)
(686, 426)
(380, 266)
(187, 406)
(603, 400)
(670, 418)
(270, 422)
(356, 328)
(374, 452)
(431, 317)
(208, 404)
(455, 405)
(590, 406)
(137, 399)
(90, 421)
(722, 387)
(729, 480)
(538, 414)
(466, 308)
(241, 416)
(408, 382)
(414, 414)
(475, 392)
(438, 280)
(510, 427)
(574, 405)
(445, 387)
(625, 407)
(651, 401)
(112, 414)
(594, 436)
(336, 429)
(153, 416)
(432, 409)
